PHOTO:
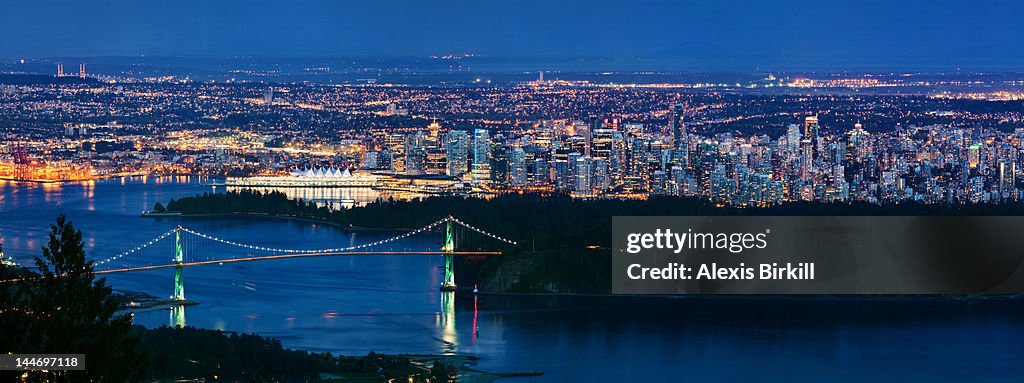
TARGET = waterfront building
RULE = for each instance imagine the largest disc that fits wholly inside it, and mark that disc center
(309, 177)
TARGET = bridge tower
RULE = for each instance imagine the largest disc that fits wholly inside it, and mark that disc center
(179, 258)
(449, 258)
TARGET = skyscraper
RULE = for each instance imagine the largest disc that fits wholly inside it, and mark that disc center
(541, 172)
(676, 126)
(806, 160)
(808, 148)
(435, 161)
(584, 183)
(395, 143)
(499, 163)
(811, 128)
(481, 156)
(1007, 180)
(563, 174)
(544, 136)
(601, 137)
(456, 152)
(415, 161)
(592, 126)
(517, 167)
(793, 137)
(600, 179)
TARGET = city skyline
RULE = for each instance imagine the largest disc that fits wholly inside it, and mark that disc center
(772, 141)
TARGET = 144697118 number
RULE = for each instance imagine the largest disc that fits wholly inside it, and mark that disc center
(47, 362)
(42, 362)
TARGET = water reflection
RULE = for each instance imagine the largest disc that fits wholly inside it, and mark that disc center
(446, 321)
(476, 314)
(177, 316)
(346, 197)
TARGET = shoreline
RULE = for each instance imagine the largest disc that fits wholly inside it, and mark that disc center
(96, 178)
(350, 228)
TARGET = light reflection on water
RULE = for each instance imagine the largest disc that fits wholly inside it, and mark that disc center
(177, 318)
(446, 321)
(337, 197)
(392, 304)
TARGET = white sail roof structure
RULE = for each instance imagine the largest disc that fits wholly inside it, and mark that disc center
(322, 172)
(310, 177)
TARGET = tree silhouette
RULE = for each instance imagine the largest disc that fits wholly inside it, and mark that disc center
(71, 313)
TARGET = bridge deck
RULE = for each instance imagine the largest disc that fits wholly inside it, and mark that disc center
(287, 256)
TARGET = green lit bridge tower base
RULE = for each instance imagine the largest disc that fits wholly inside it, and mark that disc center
(449, 258)
(179, 258)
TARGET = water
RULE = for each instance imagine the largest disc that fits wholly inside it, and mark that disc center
(391, 304)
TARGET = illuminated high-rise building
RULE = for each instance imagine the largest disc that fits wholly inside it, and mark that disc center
(517, 167)
(395, 143)
(481, 156)
(81, 70)
(544, 136)
(499, 163)
(435, 161)
(434, 129)
(1007, 180)
(370, 160)
(601, 137)
(541, 174)
(582, 175)
(811, 128)
(595, 124)
(415, 161)
(457, 152)
(563, 172)
(676, 126)
(857, 145)
(601, 178)
(974, 155)
(793, 137)
(806, 160)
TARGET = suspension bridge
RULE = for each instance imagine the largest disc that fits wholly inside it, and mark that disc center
(182, 247)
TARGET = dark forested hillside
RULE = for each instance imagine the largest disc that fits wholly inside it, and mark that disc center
(191, 353)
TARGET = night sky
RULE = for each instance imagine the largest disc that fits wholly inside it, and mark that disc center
(688, 35)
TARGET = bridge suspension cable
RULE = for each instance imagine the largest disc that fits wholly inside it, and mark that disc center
(453, 219)
(137, 248)
(315, 251)
(193, 244)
